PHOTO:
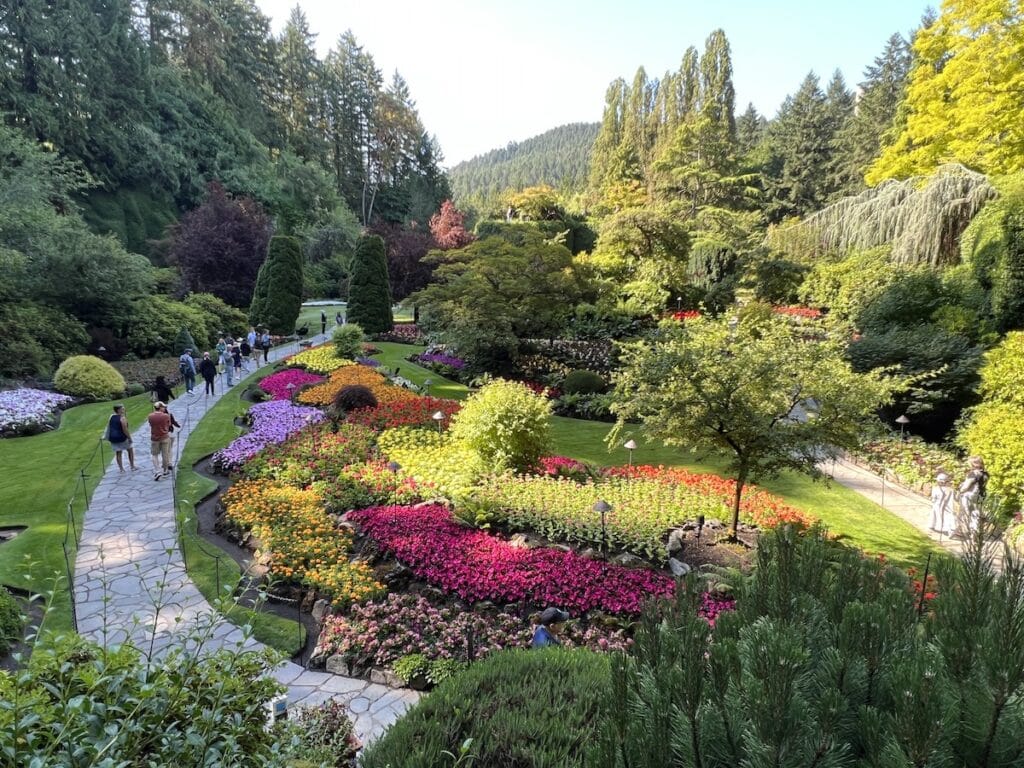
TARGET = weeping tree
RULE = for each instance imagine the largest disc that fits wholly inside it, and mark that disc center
(922, 219)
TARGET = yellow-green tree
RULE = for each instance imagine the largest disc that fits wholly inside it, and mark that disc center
(965, 96)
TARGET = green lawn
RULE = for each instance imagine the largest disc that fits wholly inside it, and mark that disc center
(41, 474)
(216, 430)
(311, 315)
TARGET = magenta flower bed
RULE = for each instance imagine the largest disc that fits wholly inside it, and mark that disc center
(276, 384)
(478, 566)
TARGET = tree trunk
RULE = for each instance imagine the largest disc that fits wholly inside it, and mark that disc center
(740, 482)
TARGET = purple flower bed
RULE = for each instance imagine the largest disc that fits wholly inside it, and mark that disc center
(276, 385)
(272, 422)
(369, 361)
(25, 411)
(441, 359)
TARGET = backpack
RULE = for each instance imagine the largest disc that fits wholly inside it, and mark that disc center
(183, 368)
(982, 484)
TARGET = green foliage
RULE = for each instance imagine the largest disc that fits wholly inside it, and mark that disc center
(324, 735)
(12, 621)
(410, 666)
(160, 325)
(846, 287)
(184, 340)
(369, 302)
(775, 280)
(221, 318)
(36, 337)
(88, 376)
(506, 424)
(584, 382)
(520, 708)
(347, 340)
(136, 215)
(352, 397)
(277, 297)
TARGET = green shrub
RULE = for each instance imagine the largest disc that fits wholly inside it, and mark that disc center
(506, 424)
(521, 708)
(325, 736)
(352, 397)
(347, 340)
(36, 338)
(277, 297)
(583, 382)
(369, 301)
(134, 388)
(183, 341)
(88, 376)
(411, 665)
(156, 323)
(221, 317)
(11, 621)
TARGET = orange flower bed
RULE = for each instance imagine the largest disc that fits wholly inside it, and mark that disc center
(323, 394)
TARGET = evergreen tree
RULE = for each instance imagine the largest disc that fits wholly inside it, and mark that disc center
(277, 296)
(369, 301)
(300, 90)
(750, 130)
(718, 96)
(839, 111)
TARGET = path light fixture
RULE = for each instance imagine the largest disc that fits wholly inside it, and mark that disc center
(679, 303)
(394, 466)
(438, 417)
(630, 445)
(902, 421)
(700, 527)
(602, 508)
(427, 383)
(290, 386)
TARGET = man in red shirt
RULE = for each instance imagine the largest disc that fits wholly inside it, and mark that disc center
(161, 423)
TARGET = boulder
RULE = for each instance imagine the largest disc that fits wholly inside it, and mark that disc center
(386, 677)
(678, 567)
(629, 560)
(321, 608)
(677, 540)
(337, 665)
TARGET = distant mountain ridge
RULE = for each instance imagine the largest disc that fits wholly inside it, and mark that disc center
(559, 157)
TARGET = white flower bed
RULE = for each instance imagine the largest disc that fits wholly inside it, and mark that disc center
(27, 410)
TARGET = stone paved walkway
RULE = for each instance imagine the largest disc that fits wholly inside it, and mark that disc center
(131, 583)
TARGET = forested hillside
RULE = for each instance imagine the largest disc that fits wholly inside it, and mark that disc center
(559, 158)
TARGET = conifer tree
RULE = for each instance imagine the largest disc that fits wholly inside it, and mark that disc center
(277, 297)
(369, 301)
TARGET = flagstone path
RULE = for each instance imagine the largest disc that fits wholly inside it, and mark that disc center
(131, 583)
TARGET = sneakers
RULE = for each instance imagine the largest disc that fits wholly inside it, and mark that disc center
(157, 476)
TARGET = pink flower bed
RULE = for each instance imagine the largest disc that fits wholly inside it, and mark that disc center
(276, 384)
(478, 566)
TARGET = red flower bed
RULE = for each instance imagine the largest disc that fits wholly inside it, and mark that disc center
(686, 314)
(416, 412)
(476, 565)
(762, 508)
(808, 313)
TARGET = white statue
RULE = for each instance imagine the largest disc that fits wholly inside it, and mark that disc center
(972, 492)
(943, 517)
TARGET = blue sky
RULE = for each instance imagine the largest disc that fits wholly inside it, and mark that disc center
(485, 73)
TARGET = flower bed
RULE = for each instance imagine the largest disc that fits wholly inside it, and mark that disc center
(385, 392)
(432, 459)
(27, 411)
(322, 359)
(402, 333)
(317, 452)
(685, 315)
(283, 384)
(415, 412)
(302, 543)
(475, 565)
(379, 633)
(563, 466)
(801, 313)
(272, 422)
(439, 362)
(368, 484)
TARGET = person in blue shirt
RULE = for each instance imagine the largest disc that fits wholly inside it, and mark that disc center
(548, 627)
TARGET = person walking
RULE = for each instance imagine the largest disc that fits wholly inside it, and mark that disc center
(548, 628)
(246, 349)
(943, 517)
(162, 392)
(236, 358)
(972, 494)
(265, 345)
(222, 349)
(161, 425)
(208, 369)
(187, 368)
(120, 437)
(337, 319)
(323, 322)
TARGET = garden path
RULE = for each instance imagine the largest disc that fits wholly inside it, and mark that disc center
(902, 502)
(131, 583)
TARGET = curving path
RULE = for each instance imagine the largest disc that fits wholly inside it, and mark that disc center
(131, 584)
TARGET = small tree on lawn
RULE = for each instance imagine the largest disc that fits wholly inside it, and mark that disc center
(277, 298)
(369, 300)
(744, 391)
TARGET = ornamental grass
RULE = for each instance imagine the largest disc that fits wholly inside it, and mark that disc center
(302, 542)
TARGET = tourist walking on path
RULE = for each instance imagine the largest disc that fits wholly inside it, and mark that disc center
(120, 437)
(265, 345)
(187, 368)
(222, 348)
(323, 322)
(236, 358)
(161, 391)
(161, 424)
(208, 369)
(337, 319)
(943, 515)
(246, 349)
(972, 493)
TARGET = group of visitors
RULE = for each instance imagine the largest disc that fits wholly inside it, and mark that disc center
(161, 427)
(972, 493)
(233, 356)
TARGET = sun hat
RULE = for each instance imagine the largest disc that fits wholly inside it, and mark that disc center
(159, 404)
(552, 615)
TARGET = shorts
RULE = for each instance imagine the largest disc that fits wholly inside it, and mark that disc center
(122, 446)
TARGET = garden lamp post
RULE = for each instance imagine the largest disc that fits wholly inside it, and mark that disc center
(902, 421)
(427, 383)
(394, 466)
(290, 386)
(438, 417)
(700, 527)
(679, 303)
(602, 508)
(630, 445)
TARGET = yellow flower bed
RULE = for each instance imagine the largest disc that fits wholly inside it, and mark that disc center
(322, 359)
(430, 458)
(323, 394)
(301, 540)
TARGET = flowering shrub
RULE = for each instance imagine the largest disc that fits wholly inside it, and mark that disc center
(272, 422)
(277, 384)
(913, 461)
(552, 393)
(322, 359)
(317, 452)
(380, 633)
(476, 565)
(402, 333)
(439, 361)
(28, 410)
(385, 392)
(301, 541)
(577, 353)
(433, 459)
(417, 412)
(563, 466)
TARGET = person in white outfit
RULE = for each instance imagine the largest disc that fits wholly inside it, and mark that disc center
(943, 517)
(972, 493)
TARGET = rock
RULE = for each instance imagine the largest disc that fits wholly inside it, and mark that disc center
(321, 608)
(306, 603)
(433, 593)
(677, 540)
(386, 677)
(563, 547)
(678, 567)
(629, 560)
(520, 541)
(337, 665)
(590, 554)
(395, 575)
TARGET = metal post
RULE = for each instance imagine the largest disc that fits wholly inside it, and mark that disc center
(924, 585)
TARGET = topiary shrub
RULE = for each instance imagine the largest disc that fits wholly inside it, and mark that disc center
(353, 397)
(369, 300)
(277, 297)
(347, 340)
(520, 708)
(88, 376)
(506, 424)
(12, 621)
(583, 382)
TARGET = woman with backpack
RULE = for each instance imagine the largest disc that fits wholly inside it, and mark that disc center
(187, 369)
(972, 494)
(120, 437)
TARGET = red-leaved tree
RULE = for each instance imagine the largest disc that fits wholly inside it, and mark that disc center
(220, 245)
(448, 227)
(406, 247)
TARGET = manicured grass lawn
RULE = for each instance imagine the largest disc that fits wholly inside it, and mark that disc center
(311, 315)
(393, 355)
(216, 430)
(41, 474)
